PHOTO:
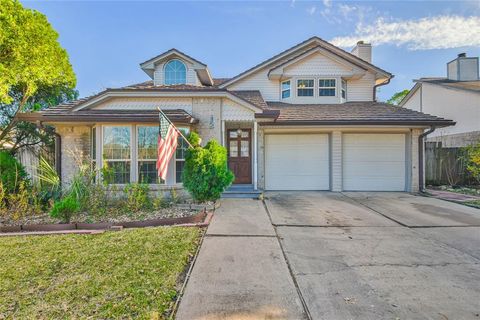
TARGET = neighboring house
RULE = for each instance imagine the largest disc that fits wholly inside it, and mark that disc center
(305, 119)
(455, 97)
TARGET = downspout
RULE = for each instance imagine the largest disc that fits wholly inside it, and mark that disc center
(378, 85)
(58, 155)
(421, 168)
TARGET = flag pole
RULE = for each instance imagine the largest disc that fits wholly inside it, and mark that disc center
(176, 129)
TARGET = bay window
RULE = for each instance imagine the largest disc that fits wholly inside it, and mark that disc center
(117, 153)
(305, 88)
(327, 87)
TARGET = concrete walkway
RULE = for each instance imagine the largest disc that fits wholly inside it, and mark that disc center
(240, 272)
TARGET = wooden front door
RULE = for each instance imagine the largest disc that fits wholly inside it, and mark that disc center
(239, 144)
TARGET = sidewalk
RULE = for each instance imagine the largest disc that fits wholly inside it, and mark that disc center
(240, 272)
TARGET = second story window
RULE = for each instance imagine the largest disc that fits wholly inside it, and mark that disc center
(305, 88)
(175, 72)
(326, 87)
(286, 89)
(344, 89)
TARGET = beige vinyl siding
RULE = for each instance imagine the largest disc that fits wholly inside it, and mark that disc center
(317, 65)
(232, 111)
(270, 89)
(361, 89)
(139, 103)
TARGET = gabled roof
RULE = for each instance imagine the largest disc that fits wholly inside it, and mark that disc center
(352, 113)
(305, 45)
(470, 86)
(201, 68)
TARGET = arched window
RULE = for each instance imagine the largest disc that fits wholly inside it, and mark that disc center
(175, 72)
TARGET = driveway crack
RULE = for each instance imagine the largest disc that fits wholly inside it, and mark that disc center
(290, 270)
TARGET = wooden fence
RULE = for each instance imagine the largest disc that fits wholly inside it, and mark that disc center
(445, 166)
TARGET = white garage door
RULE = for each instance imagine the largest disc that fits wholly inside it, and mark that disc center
(297, 162)
(374, 162)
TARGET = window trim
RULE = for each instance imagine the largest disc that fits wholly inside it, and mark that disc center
(165, 72)
(132, 150)
(343, 89)
(176, 183)
(289, 89)
(313, 87)
(320, 88)
(137, 167)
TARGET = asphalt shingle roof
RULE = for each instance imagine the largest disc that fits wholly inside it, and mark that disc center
(351, 113)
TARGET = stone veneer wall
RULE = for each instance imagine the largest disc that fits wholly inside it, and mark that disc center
(76, 147)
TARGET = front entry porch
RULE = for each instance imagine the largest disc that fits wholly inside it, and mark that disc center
(240, 139)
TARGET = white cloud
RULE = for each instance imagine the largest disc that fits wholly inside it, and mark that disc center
(327, 3)
(292, 3)
(312, 10)
(438, 32)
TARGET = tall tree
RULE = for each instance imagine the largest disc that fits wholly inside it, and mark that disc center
(35, 71)
(397, 97)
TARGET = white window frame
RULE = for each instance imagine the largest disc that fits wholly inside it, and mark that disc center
(343, 89)
(289, 89)
(175, 157)
(313, 87)
(165, 73)
(132, 158)
(323, 87)
(138, 160)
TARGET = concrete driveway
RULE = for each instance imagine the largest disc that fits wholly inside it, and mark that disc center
(323, 255)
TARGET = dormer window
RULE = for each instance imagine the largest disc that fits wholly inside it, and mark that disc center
(327, 87)
(175, 72)
(305, 88)
(286, 89)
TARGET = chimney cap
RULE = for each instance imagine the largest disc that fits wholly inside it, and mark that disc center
(462, 55)
(360, 42)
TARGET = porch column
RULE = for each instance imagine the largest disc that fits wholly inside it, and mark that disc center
(255, 162)
(336, 161)
(223, 133)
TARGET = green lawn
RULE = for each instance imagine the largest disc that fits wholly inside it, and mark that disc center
(126, 274)
(475, 203)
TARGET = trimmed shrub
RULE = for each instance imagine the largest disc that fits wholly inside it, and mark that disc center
(472, 157)
(12, 172)
(206, 174)
(65, 208)
(137, 197)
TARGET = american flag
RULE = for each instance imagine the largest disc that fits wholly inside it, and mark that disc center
(167, 144)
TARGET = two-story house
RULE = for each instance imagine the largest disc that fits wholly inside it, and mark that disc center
(455, 97)
(305, 119)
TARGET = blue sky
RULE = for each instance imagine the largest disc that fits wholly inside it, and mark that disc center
(106, 40)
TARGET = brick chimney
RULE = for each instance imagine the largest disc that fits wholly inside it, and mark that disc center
(463, 68)
(363, 51)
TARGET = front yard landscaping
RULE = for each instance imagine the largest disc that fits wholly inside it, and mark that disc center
(128, 274)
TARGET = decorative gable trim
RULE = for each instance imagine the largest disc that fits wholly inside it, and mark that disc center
(381, 74)
(356, 71)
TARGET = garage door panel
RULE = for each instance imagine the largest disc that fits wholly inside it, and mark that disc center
(374, 162)
(297, 162)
